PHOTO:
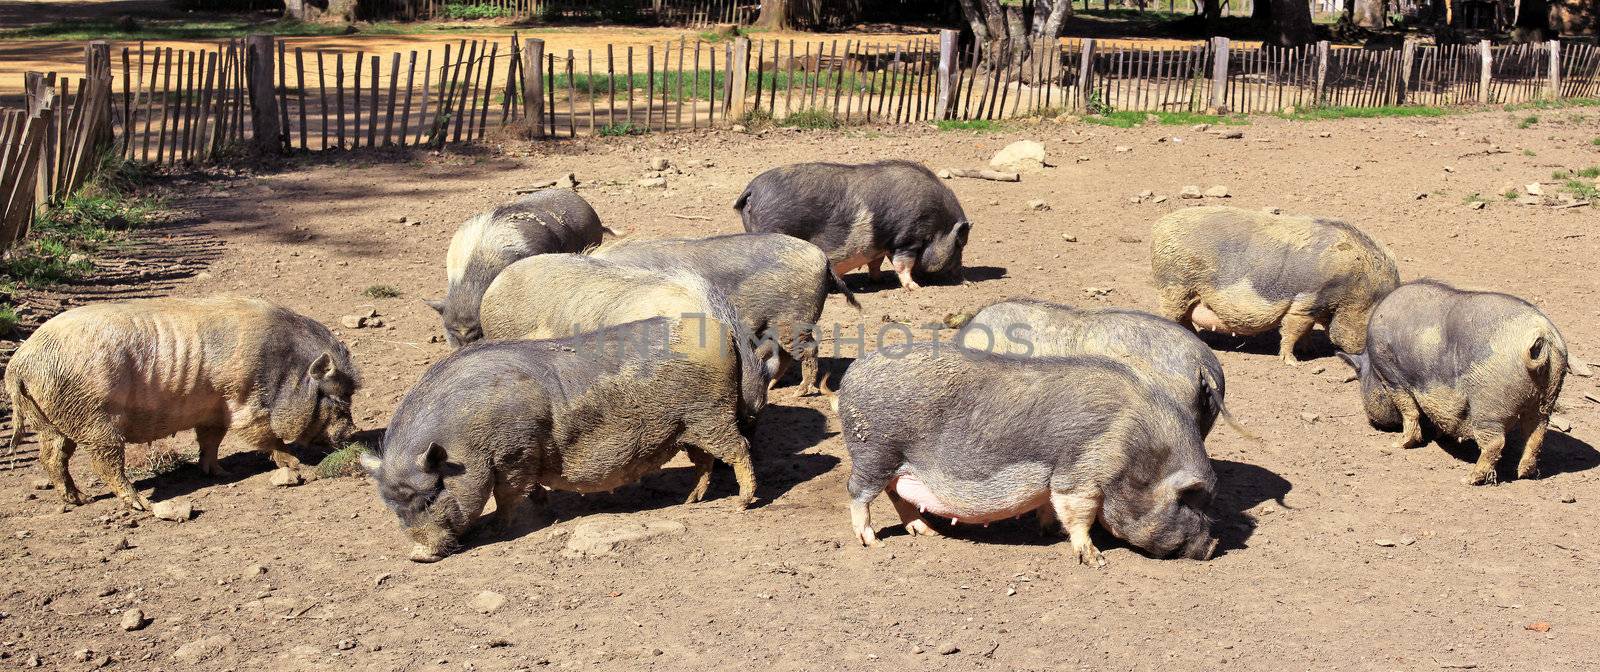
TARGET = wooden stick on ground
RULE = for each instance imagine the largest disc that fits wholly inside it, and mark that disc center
(994, 175)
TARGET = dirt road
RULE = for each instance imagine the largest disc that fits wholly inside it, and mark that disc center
(1338, 552)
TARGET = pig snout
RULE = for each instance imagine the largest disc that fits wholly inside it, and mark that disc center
(1200, 547)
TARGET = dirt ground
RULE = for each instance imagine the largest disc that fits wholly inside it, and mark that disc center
(1338, 552)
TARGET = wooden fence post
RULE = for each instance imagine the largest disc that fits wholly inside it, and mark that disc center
(1322, 70)
(1219, 76)
(1408, 55)
(533, 85)
(263, 97)
(1086, 74)
(740, 67)
(1555, 68)
(1486, 73)
(947, 73)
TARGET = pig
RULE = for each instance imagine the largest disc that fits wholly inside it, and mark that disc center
(979, 437)
(859, 214)
(777, 283)
(109, 374)
(1166, 355)
(597, 293)
(1482, 366)
(1247, 272)
(587, 413)
(545, 221)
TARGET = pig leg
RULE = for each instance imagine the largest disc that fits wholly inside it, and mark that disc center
(903, 263)
(210, 439)
(107, 461)
(861, 522)
(1491, 444)
(805, 349)
(910, 516)
(1077, 511)
(875, 268)
(1049, 524)
(1534, 427)
(1294, 327)
(266, 442)
(1176, 304)
(871, 469)
(55, 450)
(727, 444)
(511, 494)
(1410, 420)
(703, 463)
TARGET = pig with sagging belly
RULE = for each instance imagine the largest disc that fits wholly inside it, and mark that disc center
(1247, 272)
(980, 437)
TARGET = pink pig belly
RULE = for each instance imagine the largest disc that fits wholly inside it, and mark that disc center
(1205, 318)
(1008, 505)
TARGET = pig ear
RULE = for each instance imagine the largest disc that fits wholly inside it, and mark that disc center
(371, 462)
(431, 460)
(1355, 361)
(1195, 494)
(963, 228)
(436, 304)
(322, 367)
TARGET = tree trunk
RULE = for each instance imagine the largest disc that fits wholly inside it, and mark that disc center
(774, 16)
(1290, 21)
(1212, 10)
(1007, 34)
(1368, 14)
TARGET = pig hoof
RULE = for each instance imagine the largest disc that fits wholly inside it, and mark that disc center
(1480, 477)
(214, 469)
(742, 503)
(920, 527)
(74, 497)
(1091, 556)
(421, 553)
(1291, 361)
(808, 391)
(1527, 472)
(136, 502)
(912, 285)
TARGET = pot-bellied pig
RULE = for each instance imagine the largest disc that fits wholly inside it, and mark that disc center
(980, 437)
(1478, 365)
(587, 414)
(778, 284)
(545, 221)
(1247, 272)
(105, 375)
(859, 214)
(1167, 355)
(559, 295)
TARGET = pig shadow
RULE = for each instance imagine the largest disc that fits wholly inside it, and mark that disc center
(1562, 453)
(1240, 487)
(240, 465)
(1315, 345)
(862, 283)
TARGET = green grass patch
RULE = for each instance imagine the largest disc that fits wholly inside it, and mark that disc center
(1511, 194)
(1473, 197)
(1583, 191)
(1553, 104)
(1595, 142)
(64, 235)
(1529, 152)
(1337, 112)
(973, 125)
(1528, 121)
(471, 12)
(8, 319)
(813, 118)
(345, 461)
(1129, 119)
(380, 292)
(111, 29)
(619, 130)
(1591, 172)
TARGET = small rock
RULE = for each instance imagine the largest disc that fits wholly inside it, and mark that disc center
(1386, 543)
(1146, 194)
(1069, 237)
(1575, 366)
(917, 649)
(1122, 148)
(254, 570)
(488, 602)
(1560, 423)
(1529, 200)
(379, 579)
(606, 537)
(1023, 156)
(1449, 169)
(42, 484)
(82, 655)
(1477, 205)
(1231, 135)
(1568, 499)
(947, 648)
(1038, 204)
(345, 644)
(568, 181)
(285, 477)
(653, 183)
(1191, 191)
(1200, 128)
(1407, 540)
(1310, 417)
(375, 322)
(1533, 189)
(1217, 191)
(177, 510)
(1317, 371)
(33, 660)
(957, 319)
(1159, 199)
(203, 648)
(401, 219)
(740, 128)
(133, 619)
(659, 164)
(944, 174)
(1325, 134)
(1539, 626)
(1420, 195)
(1272, 211)
(353, 321)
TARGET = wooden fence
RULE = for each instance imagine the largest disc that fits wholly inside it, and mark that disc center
(168, 106)
(52, 145)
